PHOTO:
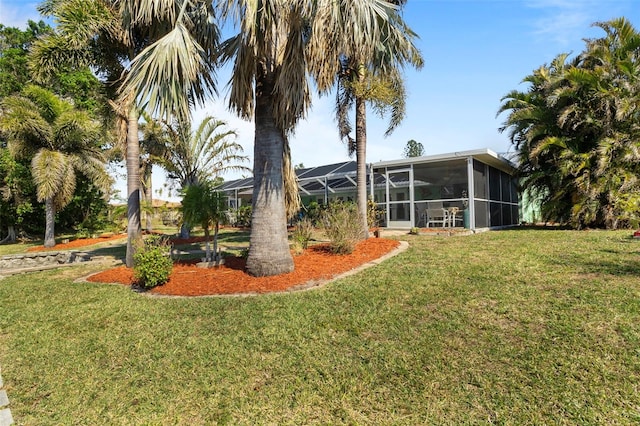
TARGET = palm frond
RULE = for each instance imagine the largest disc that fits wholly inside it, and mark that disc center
(171, 74)
(25, 129)
(49, 170)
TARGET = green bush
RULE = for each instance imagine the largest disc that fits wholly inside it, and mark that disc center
(341, 223)
(241, 216)
(152, 262)
(314, 213)
(302, 233)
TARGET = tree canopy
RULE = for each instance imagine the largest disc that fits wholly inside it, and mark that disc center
(576, 131)
(20, 211)
(413, 149)
(60, 139)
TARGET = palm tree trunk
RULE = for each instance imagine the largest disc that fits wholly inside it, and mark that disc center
(361, 164)
(133, 185)
(50, 215)
(11, 235)
(216, 228)
(147, 196)
(269, 250)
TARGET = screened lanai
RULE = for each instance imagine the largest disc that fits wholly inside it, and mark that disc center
(470, 189)
(473, 189)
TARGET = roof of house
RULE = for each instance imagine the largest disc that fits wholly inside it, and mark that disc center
(312, 179)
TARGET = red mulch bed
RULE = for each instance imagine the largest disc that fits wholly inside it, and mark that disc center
(178, 241)
(80, 242)
(315, 264)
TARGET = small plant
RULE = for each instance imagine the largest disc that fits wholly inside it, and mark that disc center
(414, 231)
(242, 216)
(342, 225)
(202, 204)
(152, 262)
(244, 253)
(302, 233)
(373, 214)
(82, 233)
(296, 248)
(314, 213)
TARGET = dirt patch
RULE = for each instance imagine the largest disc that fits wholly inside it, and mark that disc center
(314, 265)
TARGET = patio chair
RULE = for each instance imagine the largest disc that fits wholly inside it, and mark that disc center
(436, 218)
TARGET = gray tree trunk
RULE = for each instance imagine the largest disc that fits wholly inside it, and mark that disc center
(50, 215)
(269, 245)
(185, 231)
(148, 196)
(361, 164)
(11, 235)
(133, 185)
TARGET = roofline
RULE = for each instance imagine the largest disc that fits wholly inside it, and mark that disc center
(486, 155)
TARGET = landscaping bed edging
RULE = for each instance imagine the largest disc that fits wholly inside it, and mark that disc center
(35, 261)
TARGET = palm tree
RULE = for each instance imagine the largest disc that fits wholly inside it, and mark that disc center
(62, 140)
(201, 154)
(532, 121)
(279, 44)
(358, 88)
(203, 205)
(192, 157)
(576, 131)
(371, 74)
(153, 147)
(99, 33)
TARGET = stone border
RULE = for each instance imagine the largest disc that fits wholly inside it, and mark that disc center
(5, 413)
(39, 261)
(310, 285)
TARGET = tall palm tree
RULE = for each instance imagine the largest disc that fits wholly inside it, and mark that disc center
(99, 33)
(357, 88)
(278, 45)
(62, 140)
(153, 149)
(370, 74)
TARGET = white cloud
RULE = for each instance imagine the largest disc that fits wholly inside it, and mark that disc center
(566, 22)
(17, 13)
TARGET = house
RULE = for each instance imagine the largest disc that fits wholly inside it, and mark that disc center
(472, 189)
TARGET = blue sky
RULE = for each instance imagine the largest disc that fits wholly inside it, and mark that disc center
(475, 52)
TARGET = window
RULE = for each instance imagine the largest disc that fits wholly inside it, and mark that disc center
(479, 180)
(440, 180)
(482, 216)
(494, 184)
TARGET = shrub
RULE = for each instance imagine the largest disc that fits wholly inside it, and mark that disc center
(152, 262)
(302, 233)
(241, 216)
(314, 213)
(171, 217)
(341, 223)
(296, 248)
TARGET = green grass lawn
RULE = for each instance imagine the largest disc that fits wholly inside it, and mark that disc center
(506, 327)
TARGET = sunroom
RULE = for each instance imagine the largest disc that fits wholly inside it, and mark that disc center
(470, 189)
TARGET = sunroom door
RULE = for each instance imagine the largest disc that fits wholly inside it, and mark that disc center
(399, 196)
